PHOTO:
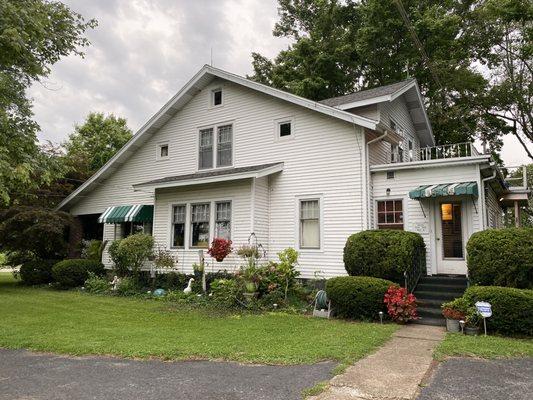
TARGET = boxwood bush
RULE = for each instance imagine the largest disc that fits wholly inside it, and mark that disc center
(384, 254)
(512, 309)
(501, 257)
(37, 272)
(74, 272)
(357, 297)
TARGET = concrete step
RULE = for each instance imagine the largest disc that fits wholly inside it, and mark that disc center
(430, 312)
(444, 279)
(444, 296)
(435, 303)
(434, 287)
(431, 321)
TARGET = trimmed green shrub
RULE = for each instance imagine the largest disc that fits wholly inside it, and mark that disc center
(357, 297)
(512, 309)
(74, 272)
(94, 250)
(128, 287)
(131, 253)
(97, 284)
(385, 254)
(37, 272)
(501, 257)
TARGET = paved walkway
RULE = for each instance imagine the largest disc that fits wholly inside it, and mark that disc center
(393, 372)
(25, 375)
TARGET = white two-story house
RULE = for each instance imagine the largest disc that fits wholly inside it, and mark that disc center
(228, 157)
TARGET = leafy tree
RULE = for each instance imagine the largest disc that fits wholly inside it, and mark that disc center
(34, 34)
(342, 46)
(94, 142)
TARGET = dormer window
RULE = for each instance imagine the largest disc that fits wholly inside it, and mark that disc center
(216, 97)
(162, 151)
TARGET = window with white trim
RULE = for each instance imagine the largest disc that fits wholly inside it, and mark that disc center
(223, 219)
(178, 226)
(224, 145)
(200, 216)
(390, 214)
(310, 224)
(216, 97)
(205, 157)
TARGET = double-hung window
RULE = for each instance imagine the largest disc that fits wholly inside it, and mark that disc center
(310, 224)
(224, 145)
(178, 226)
(223, 220)
(200, 216)
(222, 142)
(205, 159)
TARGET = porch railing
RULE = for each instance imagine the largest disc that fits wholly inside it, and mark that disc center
(516, 176)
(444, 151)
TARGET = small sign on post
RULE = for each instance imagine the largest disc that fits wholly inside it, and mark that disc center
(485, 309)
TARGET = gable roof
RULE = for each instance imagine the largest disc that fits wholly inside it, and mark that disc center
(198, 82)
(367, 94)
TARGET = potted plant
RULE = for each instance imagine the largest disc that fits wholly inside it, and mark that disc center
(220, 248)
(251, 278)
(454, 311)
(472, 321)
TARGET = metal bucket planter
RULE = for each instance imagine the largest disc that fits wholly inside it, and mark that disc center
(452, 325)
(471, 330)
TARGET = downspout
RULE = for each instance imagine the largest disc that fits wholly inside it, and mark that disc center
(484, 204)
(367, 163)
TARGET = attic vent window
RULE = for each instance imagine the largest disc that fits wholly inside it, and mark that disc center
(284, 129)
(217, 97)
(162, 151)
(390, 174)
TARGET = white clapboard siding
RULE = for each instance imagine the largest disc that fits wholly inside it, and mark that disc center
(261, 207)
(494, 211)
(323, 158)
(407, 180)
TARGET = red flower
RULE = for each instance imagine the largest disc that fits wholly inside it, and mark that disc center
(219, 249)
(401, 305)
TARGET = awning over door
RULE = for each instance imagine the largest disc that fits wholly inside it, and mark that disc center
(133, 213)
(446, 189)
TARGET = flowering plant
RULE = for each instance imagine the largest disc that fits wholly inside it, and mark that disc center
(401, 305)
(219, 249)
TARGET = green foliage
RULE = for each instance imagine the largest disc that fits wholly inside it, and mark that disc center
(226, 292)
(357, 297)
(526, 211)
(128, 286)
(94, 250)
(36, 272)
(164, 259)
(32, 233)
(340, 46)
(74, 272)
(34, 34)
(172, 280)
(455, 309)
(384, 254)
(118, 258)
(96, 284)
(502, 257)
(95, 141)
(512, 309)
(129, 254)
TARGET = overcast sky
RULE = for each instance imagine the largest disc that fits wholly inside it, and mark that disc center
(143, 52)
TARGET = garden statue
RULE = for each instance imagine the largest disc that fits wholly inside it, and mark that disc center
(115, 282)
(188, 289)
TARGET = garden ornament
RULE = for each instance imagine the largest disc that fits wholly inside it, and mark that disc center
(115, 282)
(188, 289)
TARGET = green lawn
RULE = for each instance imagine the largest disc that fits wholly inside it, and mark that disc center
(78, 323)
(490, 346)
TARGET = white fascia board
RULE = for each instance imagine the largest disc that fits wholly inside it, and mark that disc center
(366, 102)
(444, 162)
(213, 179)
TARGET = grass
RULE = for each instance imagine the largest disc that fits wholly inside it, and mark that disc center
(457, 345)
(43, 319)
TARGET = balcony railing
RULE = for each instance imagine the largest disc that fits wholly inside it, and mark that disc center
(445, 151)
(516, 176)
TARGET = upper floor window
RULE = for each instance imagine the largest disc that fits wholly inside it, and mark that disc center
(310, 224)
(222, 141)
(216, 97)
(390, 214)
(162, 151)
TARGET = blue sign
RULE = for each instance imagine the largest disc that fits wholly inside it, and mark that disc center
(484, 308)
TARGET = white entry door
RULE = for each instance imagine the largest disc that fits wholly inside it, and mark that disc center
(450, 237)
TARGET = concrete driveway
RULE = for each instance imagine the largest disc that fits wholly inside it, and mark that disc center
(26, 375)
(474, 379)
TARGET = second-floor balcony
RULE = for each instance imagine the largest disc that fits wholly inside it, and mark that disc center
(445, 151)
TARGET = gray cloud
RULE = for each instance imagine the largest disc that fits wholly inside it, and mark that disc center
(143, 51)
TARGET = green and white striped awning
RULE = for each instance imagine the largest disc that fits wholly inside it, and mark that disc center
(134, 213)
(445, 189)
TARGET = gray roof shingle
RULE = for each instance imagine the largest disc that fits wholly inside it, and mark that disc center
(366, 94)
(209, 174)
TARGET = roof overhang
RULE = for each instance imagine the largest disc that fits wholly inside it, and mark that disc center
(231, 174)
(199, 82)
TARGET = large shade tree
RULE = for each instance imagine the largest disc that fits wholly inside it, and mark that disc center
(34, 34)
(458, 50)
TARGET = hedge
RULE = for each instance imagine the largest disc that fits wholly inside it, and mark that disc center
(37, 272)
(501, 257)
(385, 254)
(74, 272)
(357, 297)
(512, 309)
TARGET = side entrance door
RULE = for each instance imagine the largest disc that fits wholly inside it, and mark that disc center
(450, 237)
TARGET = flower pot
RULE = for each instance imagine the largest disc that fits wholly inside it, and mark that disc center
(249, 296)
(251, 287)
(452, 325)
(471, 330)
(219, 259)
